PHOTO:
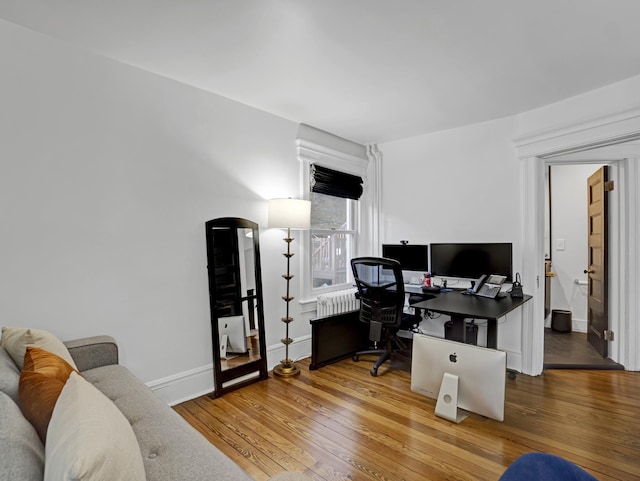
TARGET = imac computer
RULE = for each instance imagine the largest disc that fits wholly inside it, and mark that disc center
(411, 257)
(472, 260)
(233, 336)
(459, 376)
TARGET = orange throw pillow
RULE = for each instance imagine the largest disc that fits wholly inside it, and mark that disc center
(41, 382)
(38, 360)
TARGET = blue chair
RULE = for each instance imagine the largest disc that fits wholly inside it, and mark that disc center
(544, 467)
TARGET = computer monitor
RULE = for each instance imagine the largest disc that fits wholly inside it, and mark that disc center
(233, 327)
(412, 257)
(472, 260)
(459, 376)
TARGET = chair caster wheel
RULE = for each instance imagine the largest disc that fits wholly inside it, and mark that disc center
(355, 358)
(374, 372)
(511, 375)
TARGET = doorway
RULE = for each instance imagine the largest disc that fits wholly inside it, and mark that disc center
(615, 132)
(565, 332)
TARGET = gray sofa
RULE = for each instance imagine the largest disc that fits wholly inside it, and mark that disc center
(171, 448)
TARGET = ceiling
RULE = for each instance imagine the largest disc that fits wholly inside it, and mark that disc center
(367, 70)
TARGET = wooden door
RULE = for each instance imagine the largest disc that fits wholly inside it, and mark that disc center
(597, 305)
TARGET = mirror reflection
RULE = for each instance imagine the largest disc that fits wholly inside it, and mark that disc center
(237, 320)
(239, 311)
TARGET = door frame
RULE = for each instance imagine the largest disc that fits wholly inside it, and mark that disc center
(534, 150)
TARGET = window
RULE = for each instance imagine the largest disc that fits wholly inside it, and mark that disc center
(333, 240)
(332, 176)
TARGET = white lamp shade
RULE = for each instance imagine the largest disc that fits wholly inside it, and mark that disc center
(290, 213)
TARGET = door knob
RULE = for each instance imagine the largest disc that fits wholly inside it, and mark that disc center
(589, 271)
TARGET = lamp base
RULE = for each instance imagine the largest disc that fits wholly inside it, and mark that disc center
(286, 370)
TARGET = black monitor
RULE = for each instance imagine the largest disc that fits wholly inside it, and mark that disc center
(472, 260)
(411, 257)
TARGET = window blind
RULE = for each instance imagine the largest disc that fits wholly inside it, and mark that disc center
(338, 184)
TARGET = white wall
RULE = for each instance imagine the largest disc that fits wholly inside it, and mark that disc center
(459, 185)
(452, 186)
(108, 174)
(569, 239)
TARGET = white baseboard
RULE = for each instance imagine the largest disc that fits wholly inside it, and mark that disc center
(514, 360)
(578, 325)
(187, 385)
(299, 349)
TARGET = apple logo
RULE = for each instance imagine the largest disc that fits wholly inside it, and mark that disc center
(453, 357)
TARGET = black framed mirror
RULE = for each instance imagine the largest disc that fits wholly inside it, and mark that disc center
(235, 300)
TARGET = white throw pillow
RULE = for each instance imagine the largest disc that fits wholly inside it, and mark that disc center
(16, 339)
(89, 438)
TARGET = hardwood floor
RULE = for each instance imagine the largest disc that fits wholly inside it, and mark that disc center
(571, 350)
(339, 423)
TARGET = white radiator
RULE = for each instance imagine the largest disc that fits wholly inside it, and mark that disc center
(337, 302)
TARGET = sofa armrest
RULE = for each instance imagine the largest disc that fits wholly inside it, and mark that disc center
(92, 352)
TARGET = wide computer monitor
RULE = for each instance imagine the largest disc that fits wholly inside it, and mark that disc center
(412, 257)
(472, 260)
(459, 376)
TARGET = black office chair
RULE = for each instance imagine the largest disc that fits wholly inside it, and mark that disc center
(382, 297)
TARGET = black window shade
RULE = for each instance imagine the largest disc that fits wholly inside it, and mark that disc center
(335, 183)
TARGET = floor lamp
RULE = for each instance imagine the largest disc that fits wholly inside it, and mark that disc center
(289, 214)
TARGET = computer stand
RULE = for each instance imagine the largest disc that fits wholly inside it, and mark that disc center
(447, 403)
(224, 346)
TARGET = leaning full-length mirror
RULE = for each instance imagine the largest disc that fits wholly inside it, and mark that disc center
(235, 299)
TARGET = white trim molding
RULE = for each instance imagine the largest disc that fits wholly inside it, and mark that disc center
(333, 159)
(533, 265)
(374, 215)
(595, 132)
(181, 387)
(331, 151)
(630, 277)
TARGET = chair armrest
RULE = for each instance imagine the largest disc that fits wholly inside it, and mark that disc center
(92, 352)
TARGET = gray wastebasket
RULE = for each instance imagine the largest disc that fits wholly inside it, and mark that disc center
(561, 320)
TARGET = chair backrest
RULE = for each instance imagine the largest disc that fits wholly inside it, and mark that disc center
(381, 290)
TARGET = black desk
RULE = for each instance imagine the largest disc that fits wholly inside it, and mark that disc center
(461, 306)
(337, 337)
(340, 336)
